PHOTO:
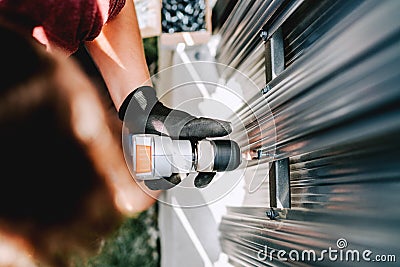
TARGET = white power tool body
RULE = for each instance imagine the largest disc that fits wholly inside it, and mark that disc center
(157, 156)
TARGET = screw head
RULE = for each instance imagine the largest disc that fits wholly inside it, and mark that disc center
(271, 214)
(264, 35)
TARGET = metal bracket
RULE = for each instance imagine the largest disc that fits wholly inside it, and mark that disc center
(279, 174)
(279, 184)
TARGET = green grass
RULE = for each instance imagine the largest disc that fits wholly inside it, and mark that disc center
(135, 243)
(151, 52)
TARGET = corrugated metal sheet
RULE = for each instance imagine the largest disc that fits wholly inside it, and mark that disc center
(334, 111)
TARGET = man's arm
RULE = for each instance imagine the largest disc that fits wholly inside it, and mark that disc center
(119, 54)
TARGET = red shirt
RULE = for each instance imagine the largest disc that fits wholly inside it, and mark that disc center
(66, 23)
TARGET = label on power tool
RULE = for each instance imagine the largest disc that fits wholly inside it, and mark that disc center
(143, 159)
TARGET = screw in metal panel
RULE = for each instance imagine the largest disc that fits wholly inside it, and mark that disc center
(265, 89)
(264, 35)
(272, 214)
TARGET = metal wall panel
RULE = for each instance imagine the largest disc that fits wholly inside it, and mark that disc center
(334, 111)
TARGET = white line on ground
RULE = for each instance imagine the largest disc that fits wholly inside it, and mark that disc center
(191, 233)
(180, 49)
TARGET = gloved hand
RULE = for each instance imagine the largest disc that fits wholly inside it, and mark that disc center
(142, 112)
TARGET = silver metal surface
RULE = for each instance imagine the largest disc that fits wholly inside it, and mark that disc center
(335, 111)
(242, 37)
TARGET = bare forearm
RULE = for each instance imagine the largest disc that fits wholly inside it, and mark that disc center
(119, 54)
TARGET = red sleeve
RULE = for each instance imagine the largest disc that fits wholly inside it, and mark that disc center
(115, 8)
(67, 23)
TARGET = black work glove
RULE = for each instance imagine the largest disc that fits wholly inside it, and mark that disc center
(142, 112)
